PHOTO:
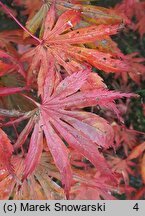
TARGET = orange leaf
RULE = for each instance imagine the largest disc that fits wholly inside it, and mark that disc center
(137, 151)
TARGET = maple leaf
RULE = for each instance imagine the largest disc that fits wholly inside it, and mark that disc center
(6, 150)
(66, 47)
(122, 166)
(136, 67)
(133, 8)
(38, 186)
(60, 120)
(91, 187)
(125, 137)
(127, 7)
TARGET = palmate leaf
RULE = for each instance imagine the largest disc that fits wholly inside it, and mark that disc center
(38, 186)
(91, 187)
(82, 131)
(136, 68)
(133, 9)
(66, 47)
(123, 167)
(127, 7)
(125, 137)
(62, 123)
(42, 184)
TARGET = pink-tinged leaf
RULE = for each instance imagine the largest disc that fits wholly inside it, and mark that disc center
(65, 22)
(123, 167)
(86, 35)
(127, 7)
(34, 152)
(46, 83)
(93, 126)
(92, 187)
(10, 90)
(136, 67)
(6, 150)
(66, 44)
(49, 21)
(59, 152)
(83, 132)
(71, 84)
(70, 64)
(100, 60)
(24, 134)
(82, 144)
(94, 81)
(99, 97)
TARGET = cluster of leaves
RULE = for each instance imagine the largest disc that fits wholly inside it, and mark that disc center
(67, 138)
(134, 9)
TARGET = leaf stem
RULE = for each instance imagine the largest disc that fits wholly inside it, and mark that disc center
(6, 9)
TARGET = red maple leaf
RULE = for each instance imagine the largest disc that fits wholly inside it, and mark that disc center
(61, 120)
(65, 44)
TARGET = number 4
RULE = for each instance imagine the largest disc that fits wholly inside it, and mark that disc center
(136, 207)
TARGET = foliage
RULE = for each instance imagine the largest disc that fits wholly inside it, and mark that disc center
(70, 136)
